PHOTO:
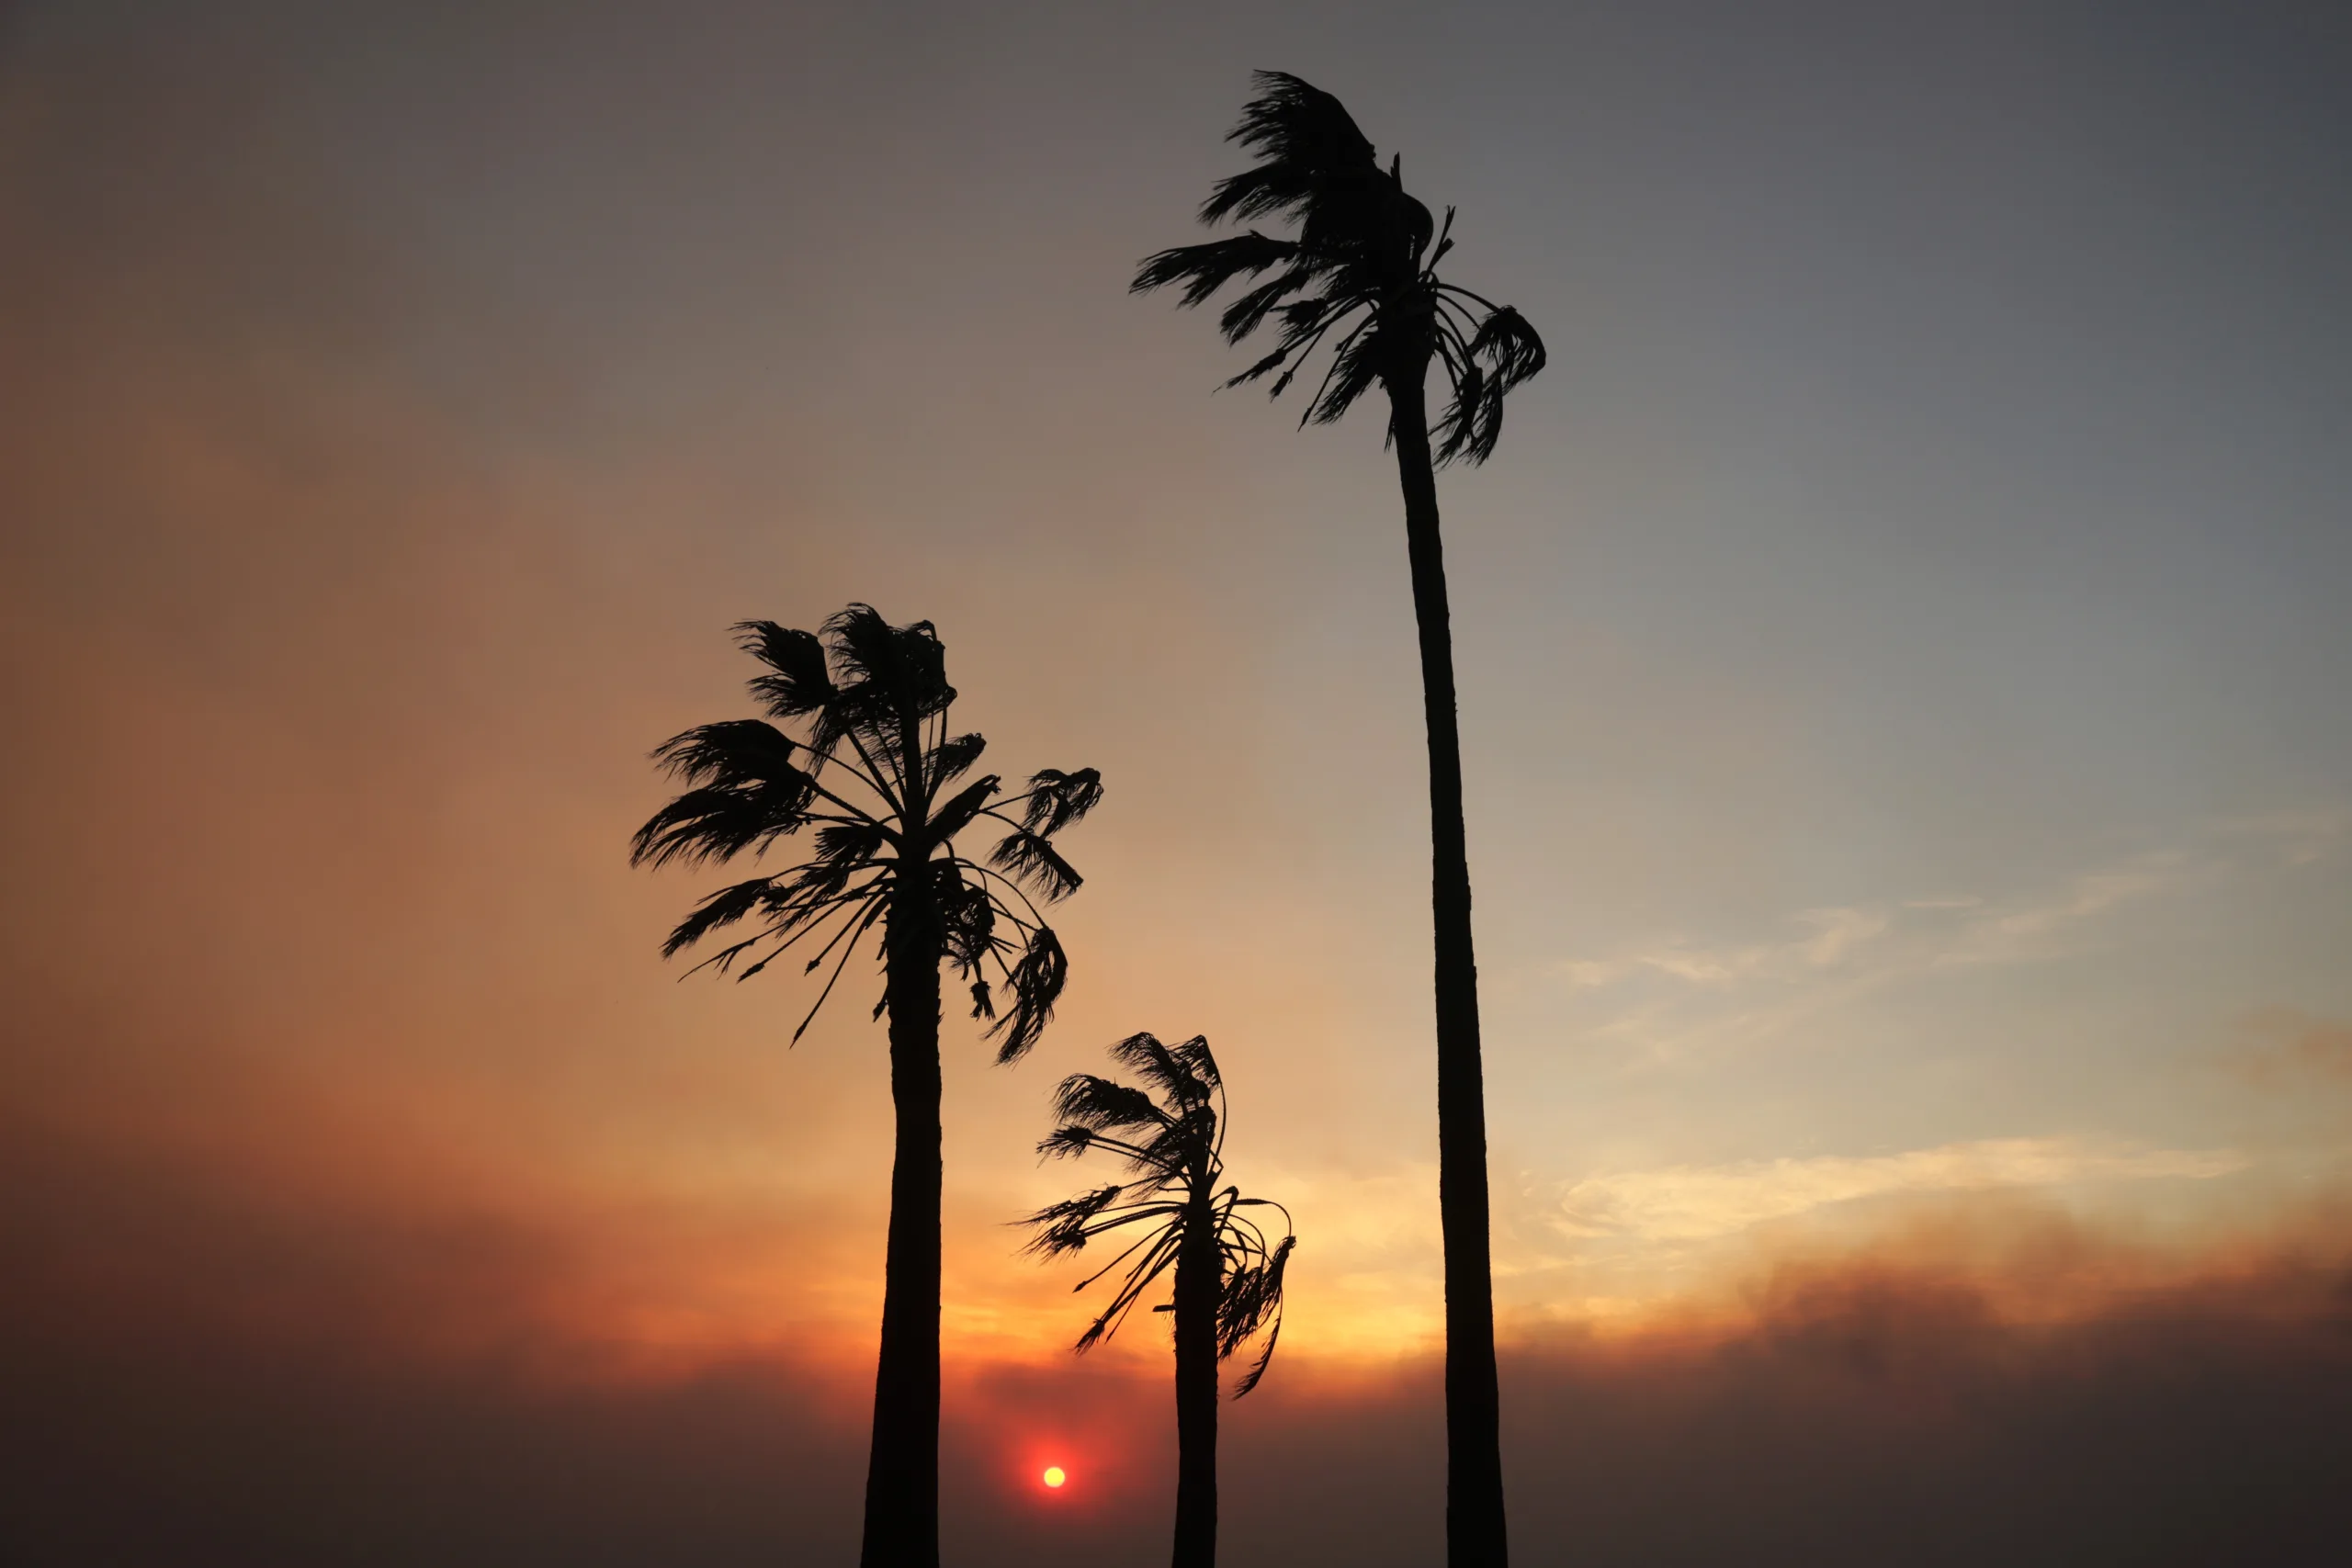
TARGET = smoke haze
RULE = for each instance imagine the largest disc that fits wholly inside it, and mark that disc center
(1902, 646)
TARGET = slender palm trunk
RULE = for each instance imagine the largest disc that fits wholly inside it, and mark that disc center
(1198, 1271)
(1474, 1535)
(902, 1473)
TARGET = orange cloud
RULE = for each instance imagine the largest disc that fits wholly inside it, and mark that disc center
(1988, 1384)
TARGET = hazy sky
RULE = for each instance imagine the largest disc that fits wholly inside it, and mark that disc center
(1902, 637)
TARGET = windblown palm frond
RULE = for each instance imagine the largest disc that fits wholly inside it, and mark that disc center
(1363, 265)
(867, 780)
(1170, 1138)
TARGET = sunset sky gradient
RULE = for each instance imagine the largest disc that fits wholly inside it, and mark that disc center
(1902, 642)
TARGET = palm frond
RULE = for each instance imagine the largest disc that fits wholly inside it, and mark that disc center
(796, 682)
(850, 843)
(1252, 1297)
(1208, 267)
(1056, 799)
(856, 931)
(1245, 314)
(901, 671)
(1061, 1227)
(704, 825)
(1356, 367)
(1063, 1142)
(1305, 141)
(953, 816)
(1093, 1104)
(731, 752)
(1503, 353)
(1160, 1250)
(816, 881)
(1193, 1059)
(1029, 859)
(1185, 1074)
(750, 792)
(1258, 1305)
(967, 917)
(1036, 983)
(952, 759)
(721, 908)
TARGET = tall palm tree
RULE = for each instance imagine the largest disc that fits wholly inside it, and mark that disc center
(1363, 263)
(872, 771)
(1228, 1284)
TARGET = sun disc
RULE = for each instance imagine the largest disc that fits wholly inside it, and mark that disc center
(1054, 1476)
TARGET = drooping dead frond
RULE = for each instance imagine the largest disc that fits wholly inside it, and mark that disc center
(969, 923)
(1056, 799)
(1036, 983)
(1502, 353)
(1029, 859)
(1253, 1300)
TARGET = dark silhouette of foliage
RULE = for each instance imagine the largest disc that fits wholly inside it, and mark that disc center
(1171, 1214)
(1362, 263)
(872, 778)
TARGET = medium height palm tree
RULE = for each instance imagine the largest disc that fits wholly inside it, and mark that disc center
(1228, 1284)
(872, 772)
(1363, 265)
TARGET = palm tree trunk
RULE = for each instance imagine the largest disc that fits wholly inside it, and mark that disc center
(903, 1472)
(1198, 1266)
(1474, 1535)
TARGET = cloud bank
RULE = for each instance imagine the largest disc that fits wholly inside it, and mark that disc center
(196, 1379)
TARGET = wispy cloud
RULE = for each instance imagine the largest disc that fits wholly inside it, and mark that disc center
(1914, 935)
(1687, 1202)
(2305, 836)
(1833, 935)
(1954, 930)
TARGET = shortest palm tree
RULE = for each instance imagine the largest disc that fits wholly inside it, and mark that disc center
(1228, 1284)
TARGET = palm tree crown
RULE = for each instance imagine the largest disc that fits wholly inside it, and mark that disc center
(1174, 1146)
(1363, 262)
(871, 774)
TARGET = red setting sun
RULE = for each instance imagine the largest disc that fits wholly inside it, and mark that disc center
(1054, 1476)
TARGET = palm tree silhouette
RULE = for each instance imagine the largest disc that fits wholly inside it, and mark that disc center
(871, 773)
(1363, 263)
(1228, 1285)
